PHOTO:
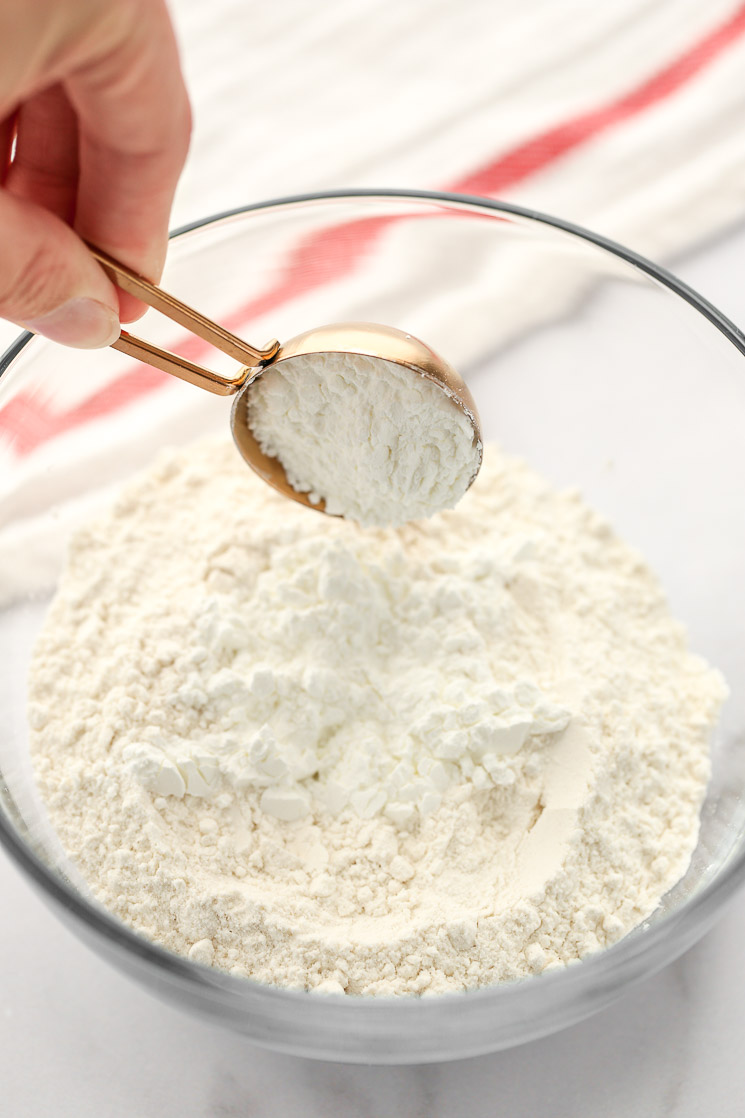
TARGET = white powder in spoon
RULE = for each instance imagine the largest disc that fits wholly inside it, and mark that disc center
(379, 762)
(377, 442)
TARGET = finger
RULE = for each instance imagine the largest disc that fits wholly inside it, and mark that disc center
(7, 138)
(49, 282)
(45, 168)
(134, 122)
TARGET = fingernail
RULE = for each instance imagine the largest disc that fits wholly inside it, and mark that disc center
(83, 322)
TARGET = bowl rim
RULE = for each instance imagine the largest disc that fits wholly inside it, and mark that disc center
(635, 944)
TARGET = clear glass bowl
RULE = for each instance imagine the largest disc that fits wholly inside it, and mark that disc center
(601, 369)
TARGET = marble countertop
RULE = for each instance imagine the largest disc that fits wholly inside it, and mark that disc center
(79, 1040)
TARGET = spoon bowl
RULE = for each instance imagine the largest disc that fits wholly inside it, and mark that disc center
(382, 343)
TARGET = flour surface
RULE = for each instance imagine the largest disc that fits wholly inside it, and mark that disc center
(378, 443)
(377, 761)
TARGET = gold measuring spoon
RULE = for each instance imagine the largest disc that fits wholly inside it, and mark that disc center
(382, 343)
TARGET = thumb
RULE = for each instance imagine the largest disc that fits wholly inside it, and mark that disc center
(49, 282)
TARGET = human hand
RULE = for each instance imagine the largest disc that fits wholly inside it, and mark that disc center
(93, 90)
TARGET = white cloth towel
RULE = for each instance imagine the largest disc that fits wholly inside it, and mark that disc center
(627, 117)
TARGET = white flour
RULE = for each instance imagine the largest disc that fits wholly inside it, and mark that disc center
(376, 442)
(372, 761)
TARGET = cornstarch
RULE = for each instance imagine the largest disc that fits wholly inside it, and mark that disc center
(410, 760)
(378, 443)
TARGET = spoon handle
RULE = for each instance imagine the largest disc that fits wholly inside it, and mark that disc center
(190, 319)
